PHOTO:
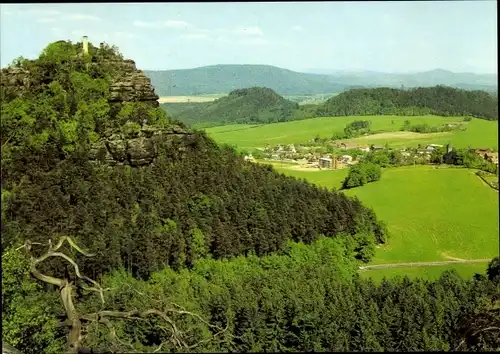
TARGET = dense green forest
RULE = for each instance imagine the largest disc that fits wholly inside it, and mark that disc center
(122, 230)
(226, 78)
(256, 105)
(305, 298)
(438, 100)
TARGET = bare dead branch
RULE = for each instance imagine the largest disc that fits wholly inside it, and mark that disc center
(74, 320)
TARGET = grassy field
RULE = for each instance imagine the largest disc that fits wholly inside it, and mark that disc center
(432, 215)
(185, 99)
(325, 178)
(479, 133)
(466, 271)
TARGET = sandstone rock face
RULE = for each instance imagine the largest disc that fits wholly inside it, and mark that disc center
(132, 86)
(116, 149)
(140, 151)
(18, 80)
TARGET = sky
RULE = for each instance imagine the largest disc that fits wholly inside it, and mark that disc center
(459, 36)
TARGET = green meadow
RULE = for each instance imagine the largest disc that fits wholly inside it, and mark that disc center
(432, 215)
(479, 133)
(466, 271)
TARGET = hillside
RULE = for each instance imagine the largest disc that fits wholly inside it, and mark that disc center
(438, 100)
(469, 81)
(124, 231)
(257, 105)
(226, 78)
(92, 120)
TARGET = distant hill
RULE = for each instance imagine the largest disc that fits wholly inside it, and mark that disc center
(468, 81)
(438, 100)
(226, 78)
(251, 105)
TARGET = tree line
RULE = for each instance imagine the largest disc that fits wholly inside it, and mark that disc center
(438, 100)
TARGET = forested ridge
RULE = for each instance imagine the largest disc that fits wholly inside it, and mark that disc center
(225, 78)
(255, 105)
(263, 106)
(123, 230)
(438, 100)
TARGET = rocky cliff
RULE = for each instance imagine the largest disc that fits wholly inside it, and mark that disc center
(140, 148)
(128, 85)
(132, 85)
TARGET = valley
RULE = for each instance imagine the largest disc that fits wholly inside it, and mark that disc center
(239, 208)
(479, 133)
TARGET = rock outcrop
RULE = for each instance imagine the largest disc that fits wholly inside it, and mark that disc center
(139, 150)
(129, 85)
(132, 86)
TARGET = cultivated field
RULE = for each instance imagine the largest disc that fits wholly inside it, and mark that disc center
(432, 215)
(186, 99)
(479, 133)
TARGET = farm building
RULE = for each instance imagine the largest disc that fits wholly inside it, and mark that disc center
(364, 148)
(377, 147)
(325, 162)
(492, 157)
(431, 147)
(346, 158)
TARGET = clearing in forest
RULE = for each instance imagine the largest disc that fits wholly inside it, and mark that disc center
(432, 215)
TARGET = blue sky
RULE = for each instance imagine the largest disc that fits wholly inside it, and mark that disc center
(460, 36)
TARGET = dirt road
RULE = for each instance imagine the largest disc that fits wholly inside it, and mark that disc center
(422, 264)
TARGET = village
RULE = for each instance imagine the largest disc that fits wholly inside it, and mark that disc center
(343, 155)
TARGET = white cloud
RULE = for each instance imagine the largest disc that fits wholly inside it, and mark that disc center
(125, 35)
(176, 24)
(297, 28)
(147, 24)
(82, 17)
(249, 31)
(255, 41)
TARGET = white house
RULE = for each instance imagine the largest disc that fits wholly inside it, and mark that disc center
(431, 147)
